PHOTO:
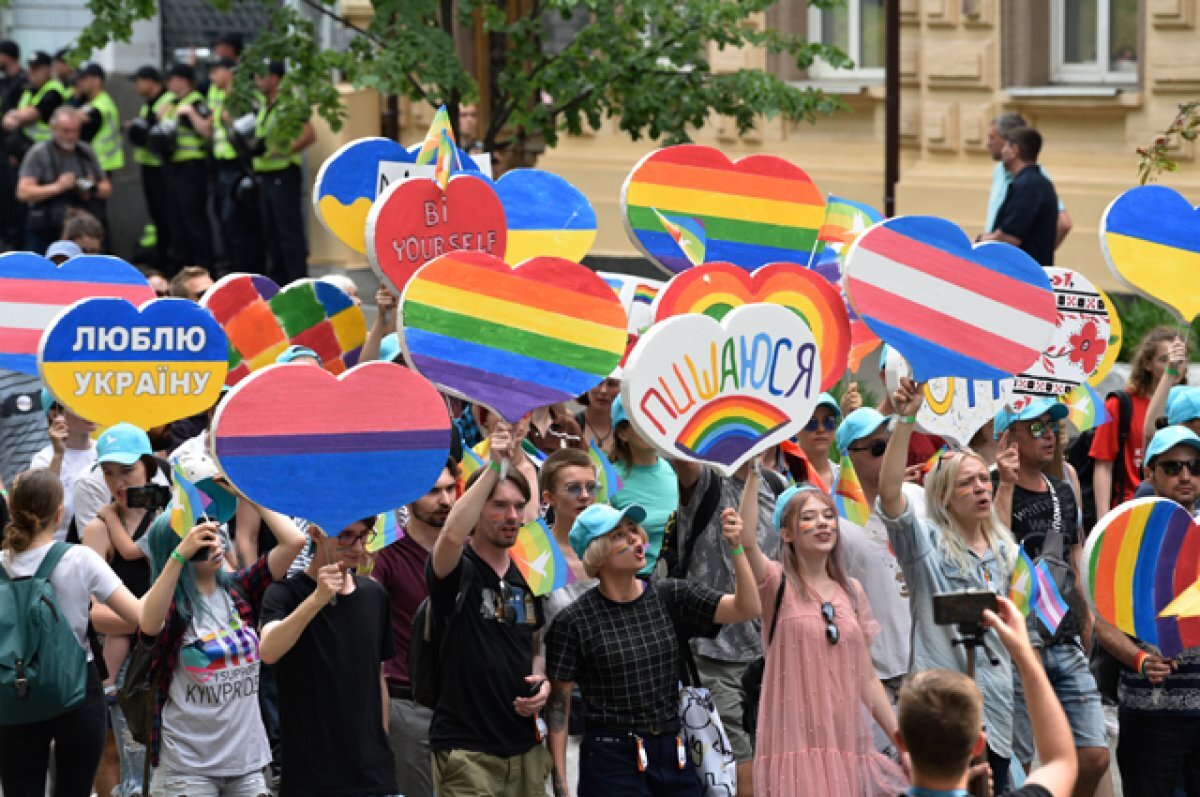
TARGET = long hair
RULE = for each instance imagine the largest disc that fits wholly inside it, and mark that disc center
(1141, 373)
(622, 452)
(833, 562)
(36, 496)
(161, 539)
(939, 487)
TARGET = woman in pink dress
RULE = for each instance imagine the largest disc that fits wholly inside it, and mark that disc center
(819, 689)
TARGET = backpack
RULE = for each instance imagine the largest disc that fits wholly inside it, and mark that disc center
(677, 566)
(43, 669)
(427, 647)
(1079, 455)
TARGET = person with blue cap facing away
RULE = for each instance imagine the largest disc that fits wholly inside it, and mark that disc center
(301, 354)
(621, 642)
(647, 480)
(71, 453)
(1042, 513)
(816, 436)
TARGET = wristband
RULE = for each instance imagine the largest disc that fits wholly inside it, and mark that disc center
(178, 557)
(1139, 662)
(738, 551)
(494, 466)
(1171, 371)
(908, 419)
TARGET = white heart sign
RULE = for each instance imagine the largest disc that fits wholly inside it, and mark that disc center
(720, 392)
(954, 408)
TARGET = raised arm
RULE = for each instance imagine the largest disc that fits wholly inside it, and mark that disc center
(748, 509)
(1008, 461)
(385, 323)
(280, 636)
(448, 549)
(1176, 369)
(290, 541)
(157, 602)
(743, 604)
(906, 401)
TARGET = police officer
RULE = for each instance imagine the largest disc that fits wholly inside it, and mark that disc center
(103, 126)
(148, 82)
(280, 187)
(187, 176)
(235, 200)
(42, 94)
(63, 72)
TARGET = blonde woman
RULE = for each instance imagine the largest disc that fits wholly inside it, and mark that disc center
(961, 545)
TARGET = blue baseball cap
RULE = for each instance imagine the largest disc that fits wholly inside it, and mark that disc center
(826, 400)
(1167, 438)
(1005, 418)
(63, 249)
(858, 424)
(883, 355)
(292, 352)
(618, 412)
(48, 399)
(598, 520)
(123, 443)
(389, 347)
(1183, 404)
(785, 498)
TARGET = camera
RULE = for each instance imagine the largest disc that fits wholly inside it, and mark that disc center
(962, 608)
(150, 496)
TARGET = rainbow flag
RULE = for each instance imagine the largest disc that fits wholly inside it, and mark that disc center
(933, 461)
(687, 232)
(187, 503)
(388, 531)
(540, 560)
(606, 475)
(1049, 603)
(1085, 408)
(848, 494)
(447, 157)
(474, 459)
(1023, 588)
(845, 220)
(434, 139)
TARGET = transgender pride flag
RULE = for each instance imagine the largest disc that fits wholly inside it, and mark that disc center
(1050, 606)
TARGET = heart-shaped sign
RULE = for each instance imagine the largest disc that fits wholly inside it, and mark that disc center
(1150, 236)
(954, 408)
(109, 361)
(547, 216)
(985, 312)
(761, 209)
(716, 288)
(1138, 559)
(512, 339)
(332, 449)
(33, 291)
(262, 321)
(414, 222)
(721, 392)
(1080, 341)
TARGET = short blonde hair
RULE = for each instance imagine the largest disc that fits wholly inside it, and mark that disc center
(599, 549)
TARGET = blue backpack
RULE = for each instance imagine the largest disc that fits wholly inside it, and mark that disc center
(43, 669)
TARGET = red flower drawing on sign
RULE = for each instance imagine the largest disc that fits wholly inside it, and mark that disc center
(1087, 348)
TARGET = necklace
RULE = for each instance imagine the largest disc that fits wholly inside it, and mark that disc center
(600, 439)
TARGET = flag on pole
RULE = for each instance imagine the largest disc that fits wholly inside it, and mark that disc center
(187, 503)
(1085, 408)
(1023, 589)
(687, 232)
(607, 478)
(848, 494)
(540, 559)
(846, 219)
(433, 138)
(1049, 604)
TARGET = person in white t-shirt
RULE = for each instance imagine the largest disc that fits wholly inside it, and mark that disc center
(71, 454)
(36, 505)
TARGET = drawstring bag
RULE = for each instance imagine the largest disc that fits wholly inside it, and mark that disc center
(703, 734)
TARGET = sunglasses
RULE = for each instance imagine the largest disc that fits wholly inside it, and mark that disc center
(1039, 428)
(1172, 467)
(829, 424)
(831, 630)
(577, 489)
(875, 449)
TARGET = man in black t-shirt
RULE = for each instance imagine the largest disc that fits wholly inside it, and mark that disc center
(940, 717)
(328, 633)
(1040, 510)
(1028, 217)
(486, 733)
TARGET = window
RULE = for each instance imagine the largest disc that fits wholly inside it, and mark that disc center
(857, 29)
(1095, 41)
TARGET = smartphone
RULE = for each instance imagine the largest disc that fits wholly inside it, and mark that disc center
(150, 496)
(962, 608)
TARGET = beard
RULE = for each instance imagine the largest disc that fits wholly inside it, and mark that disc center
(435, 519)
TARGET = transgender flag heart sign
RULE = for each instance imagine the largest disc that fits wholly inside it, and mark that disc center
(983, 312)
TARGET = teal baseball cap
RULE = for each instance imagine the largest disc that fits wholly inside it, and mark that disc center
(1167, 438)
(598, 520)
(618, 412)
(1006, 417)
(785, 498)
(389, 347)
(292, 352)
(123, 443)
(48, 399)
(826, 400)
(1183, 404)
(857, 425)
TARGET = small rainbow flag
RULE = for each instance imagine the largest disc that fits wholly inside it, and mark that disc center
(1023, 588)
(687, 232)
(606, 475)
(187, 503)
(933, 461)
(447, 157)
(1049, 603)
(540, 560)
(1085, 408)
(848, 494)
(845, 220)
(434, 139)
(474, 459)
(791, 451)
(388, 530)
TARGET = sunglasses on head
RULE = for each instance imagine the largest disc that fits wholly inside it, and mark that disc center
(829, 424)
(831, 630)
(577, 489)
(1173, 467)
(875, 449)
(1038, 428)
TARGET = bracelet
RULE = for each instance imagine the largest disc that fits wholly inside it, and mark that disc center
(1139, 662)
(738, 551)
(494, 466)
(178, 557)
(908, 419)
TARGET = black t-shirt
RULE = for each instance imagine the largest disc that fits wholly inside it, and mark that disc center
(625, 656)
(1030, 212)
(49, 104)
(489, 652)
(1033, 515)
(330, 706)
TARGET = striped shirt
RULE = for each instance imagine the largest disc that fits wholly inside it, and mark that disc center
(23, 430)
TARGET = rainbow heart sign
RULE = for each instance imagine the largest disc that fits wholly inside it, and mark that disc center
(716, 288)
(985, 312)
(414, 221)
(262, 321)
(512, 339)
(33, 291)
(1150, 236)
(690, 204)
(109, 361)
(1138, 559)
(721, 392)
(1080, 342)
(547, 216)
(332, 449)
